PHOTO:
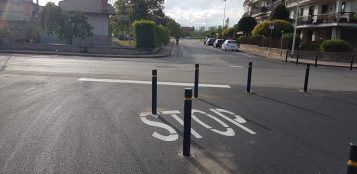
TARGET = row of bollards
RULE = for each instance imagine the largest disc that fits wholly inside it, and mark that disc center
(316, 59)
(352, 162)
(187, 108)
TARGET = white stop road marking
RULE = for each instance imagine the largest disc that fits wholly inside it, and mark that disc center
(173, 135)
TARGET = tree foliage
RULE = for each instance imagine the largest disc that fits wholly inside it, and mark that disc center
(66, 25)
(280, 12)
(246, 24)
(279, 26)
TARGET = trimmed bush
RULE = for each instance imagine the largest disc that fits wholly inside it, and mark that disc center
(335, 46)
(243, 40)
(150, 35)
(279, 26)
(289, 38)
(311, 46)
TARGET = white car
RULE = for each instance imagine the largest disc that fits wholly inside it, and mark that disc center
(230, 45)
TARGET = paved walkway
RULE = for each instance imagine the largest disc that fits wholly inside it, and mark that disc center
(301, 61)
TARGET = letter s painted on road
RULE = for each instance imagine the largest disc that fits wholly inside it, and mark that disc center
(173, 134)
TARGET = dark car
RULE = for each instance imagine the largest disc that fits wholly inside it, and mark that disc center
(218, 43)
(210, 41)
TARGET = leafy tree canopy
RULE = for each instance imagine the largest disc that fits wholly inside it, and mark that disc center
(66, 25)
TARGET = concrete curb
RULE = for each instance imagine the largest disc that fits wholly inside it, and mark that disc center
(156, 55)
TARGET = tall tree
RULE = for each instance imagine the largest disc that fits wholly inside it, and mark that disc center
(246, 24)
(280, 12)
(66, 25)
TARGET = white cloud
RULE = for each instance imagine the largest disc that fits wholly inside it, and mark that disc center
(195, 12)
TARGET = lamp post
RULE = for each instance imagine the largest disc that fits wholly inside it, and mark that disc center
(281, 43)
(296, 22)
(224, 15)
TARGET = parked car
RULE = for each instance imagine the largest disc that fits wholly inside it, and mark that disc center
(230, 45)
(218, 43)
(210, 41)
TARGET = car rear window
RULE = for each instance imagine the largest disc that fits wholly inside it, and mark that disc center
(232, 42)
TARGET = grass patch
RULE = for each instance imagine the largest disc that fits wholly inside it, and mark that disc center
(123, 43)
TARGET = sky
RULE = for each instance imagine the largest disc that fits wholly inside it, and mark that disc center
(198, 13)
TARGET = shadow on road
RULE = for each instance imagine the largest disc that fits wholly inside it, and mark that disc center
(294, 106)
(204, 151)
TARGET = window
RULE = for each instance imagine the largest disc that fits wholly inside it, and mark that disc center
(311, 10)
(343, 7)
(324, 9)
(301, 12)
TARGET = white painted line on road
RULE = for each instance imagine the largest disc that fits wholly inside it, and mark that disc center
(236, 66)
(149, 83)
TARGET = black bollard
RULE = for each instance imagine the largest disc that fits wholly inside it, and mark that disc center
(307, 77)
(249, 81)
(286, 56)
(352, 162)
(154, 92)
(351, 66)
(187, 122)
(197, 71)
(297, 58)
(316, 61)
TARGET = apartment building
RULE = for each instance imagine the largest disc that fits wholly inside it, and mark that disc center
(325, 19)
(260, 9)
(317, 19)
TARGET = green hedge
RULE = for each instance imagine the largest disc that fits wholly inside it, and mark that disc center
(335, 46)
(279, 26)
(289, 38)
(150, 35)
(311, 46)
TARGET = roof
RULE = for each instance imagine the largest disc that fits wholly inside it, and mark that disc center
(87, 6)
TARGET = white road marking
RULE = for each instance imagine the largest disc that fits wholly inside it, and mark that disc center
(229, 131)
(179, 120)
(149, 83)
(236, 66)
(173, 134)
(218, 112)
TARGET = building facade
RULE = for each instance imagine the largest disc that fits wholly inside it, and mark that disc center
(260, 9)
(325, 19)
(98, 12)
(317, 20)
(17, 16)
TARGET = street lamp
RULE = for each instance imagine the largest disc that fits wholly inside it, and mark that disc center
(296, 22)
(224, 15)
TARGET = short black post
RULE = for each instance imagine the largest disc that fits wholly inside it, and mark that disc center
(297, 58)
(154, 92)
(197, 71)
(316, 61)
(352, 162)
(286, 56)
(307, 77)
(351, 66)
(249, 81)
(187, 122)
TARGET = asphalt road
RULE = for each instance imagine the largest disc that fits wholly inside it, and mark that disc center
(67, 114)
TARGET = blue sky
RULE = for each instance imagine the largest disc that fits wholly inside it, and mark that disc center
(198, 12)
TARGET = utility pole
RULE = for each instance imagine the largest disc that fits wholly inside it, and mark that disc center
(296, 22)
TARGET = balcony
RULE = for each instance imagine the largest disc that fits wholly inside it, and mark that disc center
(329, 18)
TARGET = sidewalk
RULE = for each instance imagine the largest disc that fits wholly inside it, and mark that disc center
(301, 61)
(162, 52)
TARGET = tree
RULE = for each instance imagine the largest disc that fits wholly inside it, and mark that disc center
(280, 12)
(246, 24)
(228, 33)
(66, 25)
(174, 27)
(226, 24)
(279, 26)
